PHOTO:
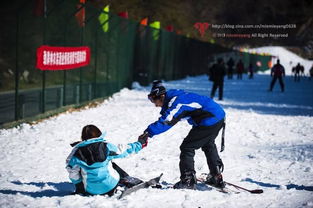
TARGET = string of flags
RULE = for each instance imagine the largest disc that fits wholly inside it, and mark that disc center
(156, 25)
(104, 18)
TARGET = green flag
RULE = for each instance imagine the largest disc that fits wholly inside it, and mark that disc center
(104, 19)
(156, 29)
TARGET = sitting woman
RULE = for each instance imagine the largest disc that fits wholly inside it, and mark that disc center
(90, 164)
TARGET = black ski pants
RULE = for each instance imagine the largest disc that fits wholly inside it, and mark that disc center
(280, 79)
(200, 137)
(220, 86)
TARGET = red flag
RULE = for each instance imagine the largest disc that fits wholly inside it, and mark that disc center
(123, 14)
(80, 15)
(144, 21)
(39, 8)
(169, 28)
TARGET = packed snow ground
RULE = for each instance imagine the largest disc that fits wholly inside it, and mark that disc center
(269, 145)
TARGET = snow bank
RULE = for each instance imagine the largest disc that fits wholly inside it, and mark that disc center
(287, 58)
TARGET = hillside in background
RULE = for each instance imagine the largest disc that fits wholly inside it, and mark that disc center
(184, 14)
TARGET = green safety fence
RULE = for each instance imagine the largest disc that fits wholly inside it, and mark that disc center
(122, 51)
(259, 62)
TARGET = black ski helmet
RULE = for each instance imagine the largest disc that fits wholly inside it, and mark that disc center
(157, 89)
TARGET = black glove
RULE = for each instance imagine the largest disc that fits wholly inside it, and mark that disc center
(74, 143)
(143, 139)
(80, 189)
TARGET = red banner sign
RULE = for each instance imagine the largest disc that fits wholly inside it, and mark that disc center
(62, 58)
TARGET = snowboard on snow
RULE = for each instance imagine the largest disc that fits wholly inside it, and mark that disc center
(151, 182)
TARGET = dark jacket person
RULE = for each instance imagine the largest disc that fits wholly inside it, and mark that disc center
(217, 73)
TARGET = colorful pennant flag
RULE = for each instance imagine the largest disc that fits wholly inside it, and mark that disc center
(144, 21)
(80, 15)
(155, 33)
(155, 25)
(169, 28)
(123, 14)
(212, 40)
(39, 8)
(104, 19)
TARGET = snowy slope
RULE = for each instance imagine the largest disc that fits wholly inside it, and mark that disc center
(269, 145)
(287, 58)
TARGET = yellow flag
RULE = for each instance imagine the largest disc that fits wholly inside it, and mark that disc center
(104, 19)
(155, 25)
(156, 29)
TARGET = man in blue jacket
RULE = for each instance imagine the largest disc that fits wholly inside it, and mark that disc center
(207, 119)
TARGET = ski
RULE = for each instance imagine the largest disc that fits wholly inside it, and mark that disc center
(153, 181)
(224, 190)
(202, 186)
(202, 179)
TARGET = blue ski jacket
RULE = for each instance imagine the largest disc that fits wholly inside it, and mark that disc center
(197, 109)
(90, 163)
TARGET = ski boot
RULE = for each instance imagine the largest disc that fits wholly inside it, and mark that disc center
(129, 181)
(187, 181)
(216, 180)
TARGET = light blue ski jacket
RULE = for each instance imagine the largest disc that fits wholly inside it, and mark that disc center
(90, 163)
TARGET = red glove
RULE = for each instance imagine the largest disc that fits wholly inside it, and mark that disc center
(143, 139)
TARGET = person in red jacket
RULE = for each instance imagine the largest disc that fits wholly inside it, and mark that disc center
(277, 72)
(240, 69)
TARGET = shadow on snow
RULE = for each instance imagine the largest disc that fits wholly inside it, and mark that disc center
(57, 189)
(289, 186)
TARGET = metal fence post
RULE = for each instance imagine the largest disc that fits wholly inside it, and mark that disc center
(96, 65)
(80, 69)
(16, 69)
(44, 72)
(64, 71)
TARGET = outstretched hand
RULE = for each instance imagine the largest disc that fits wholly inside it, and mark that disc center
(143, 139)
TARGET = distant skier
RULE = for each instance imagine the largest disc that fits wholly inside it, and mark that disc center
(251, 71)
(302, 71)
(206, 118)
(311, 73)
(230, 69)
(240, 69)
(90, 164)
(293, 70)
(277, 72)
(217, 73)
(297, 71)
